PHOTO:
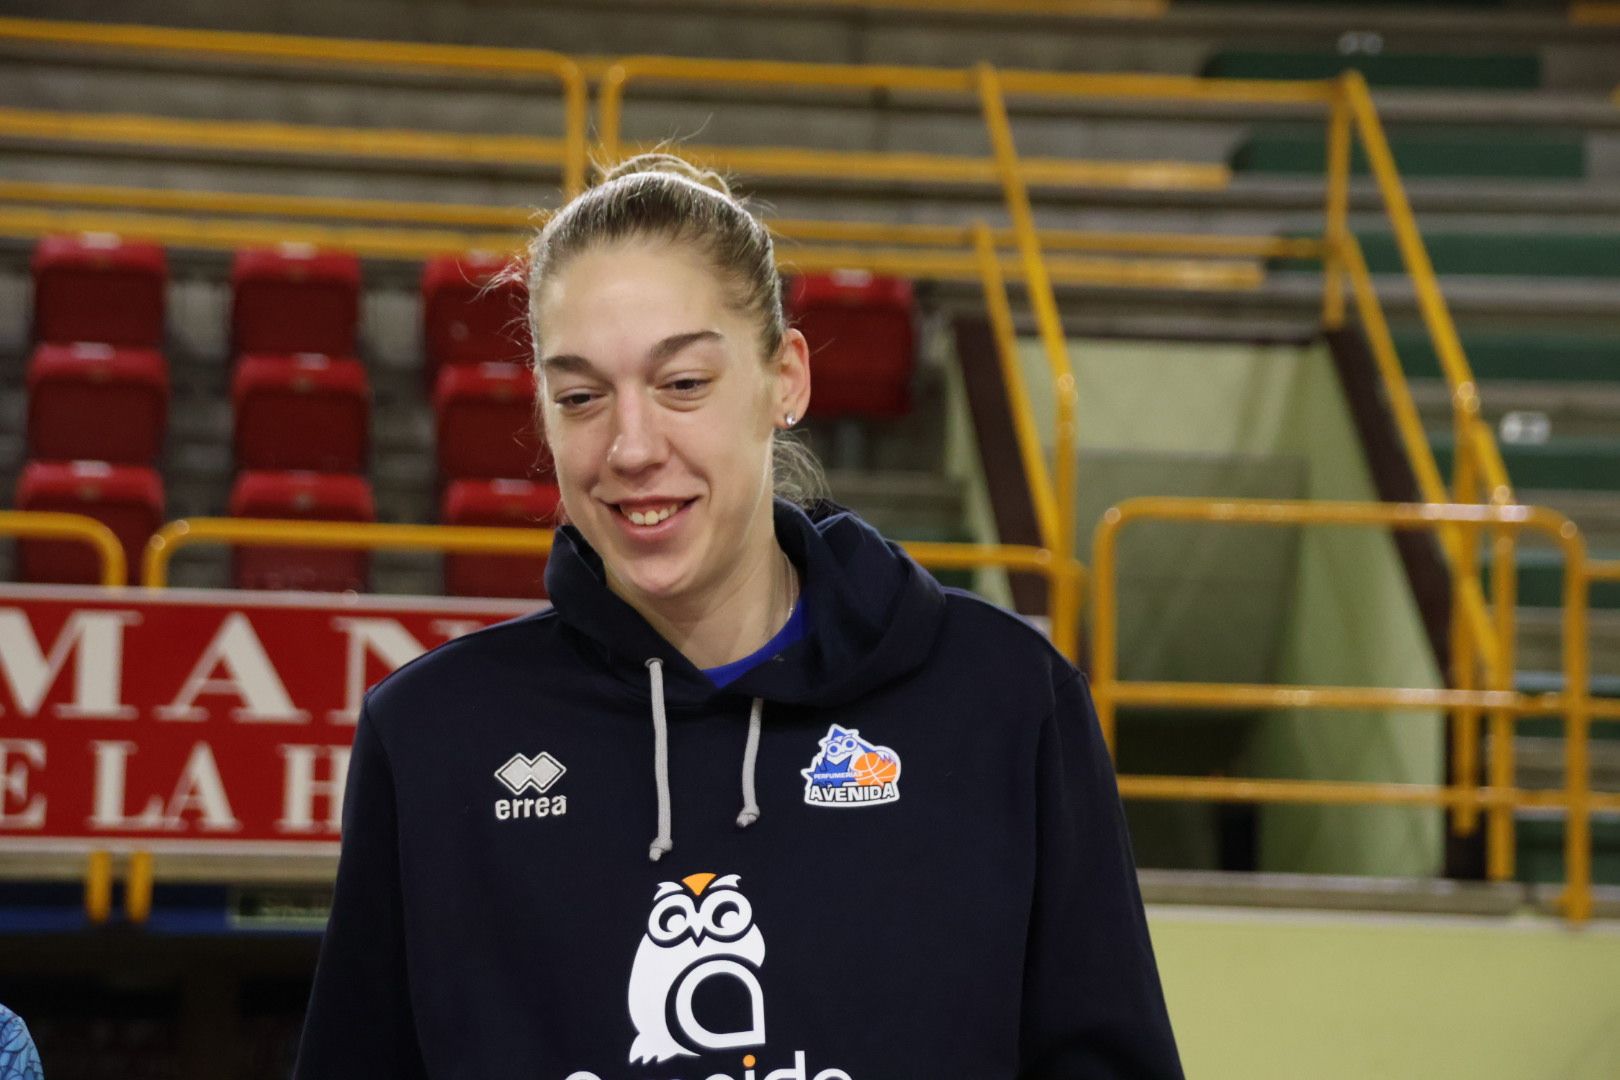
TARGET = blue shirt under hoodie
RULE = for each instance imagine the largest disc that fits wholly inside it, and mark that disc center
(938, 886)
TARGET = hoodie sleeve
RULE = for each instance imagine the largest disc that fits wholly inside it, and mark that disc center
(1093, 1008)
(359, 1022)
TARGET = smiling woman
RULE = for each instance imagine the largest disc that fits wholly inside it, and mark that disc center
(929, 817)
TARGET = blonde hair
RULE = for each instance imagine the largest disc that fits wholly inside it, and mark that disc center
(661, 196)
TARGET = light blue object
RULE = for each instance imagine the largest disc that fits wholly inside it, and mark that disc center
(19, 1059)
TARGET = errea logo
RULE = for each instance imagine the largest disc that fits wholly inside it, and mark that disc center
(520, 774)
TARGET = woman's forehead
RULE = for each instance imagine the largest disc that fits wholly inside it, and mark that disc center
(649, 281)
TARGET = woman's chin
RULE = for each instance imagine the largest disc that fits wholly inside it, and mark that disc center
(655, 584)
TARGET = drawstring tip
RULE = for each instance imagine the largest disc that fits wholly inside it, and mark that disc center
(747, 818)
(659, 847)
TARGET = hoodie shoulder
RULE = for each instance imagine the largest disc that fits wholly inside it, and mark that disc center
(1003, 637)
(480, 653)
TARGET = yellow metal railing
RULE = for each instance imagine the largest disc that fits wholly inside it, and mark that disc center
(372, 536)
(175, 536)
(45, 525)
(1480, 651)
(887, 165)
(1499, 798)
(416, 230)
(1038, 259)
(340, 53)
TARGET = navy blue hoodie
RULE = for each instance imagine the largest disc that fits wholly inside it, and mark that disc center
(938, 885)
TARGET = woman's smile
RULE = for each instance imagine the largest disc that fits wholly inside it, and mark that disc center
(651, 520)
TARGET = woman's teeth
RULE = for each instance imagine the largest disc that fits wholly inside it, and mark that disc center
(650, 517)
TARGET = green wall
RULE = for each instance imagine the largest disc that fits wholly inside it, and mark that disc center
(1354, 621)
(1235, 603)
(1322, 996)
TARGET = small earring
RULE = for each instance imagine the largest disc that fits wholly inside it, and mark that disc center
(790, 420)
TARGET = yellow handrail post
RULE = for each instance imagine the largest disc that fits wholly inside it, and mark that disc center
(1038, 285)
(1104, 620)
(610, 113)
(1338, 209)
(1499, 855)
(1414, 255)
(577, 108)
(138, 887)
(1577, 899)
(98, 876)
(1022, 412)
(1464, 642)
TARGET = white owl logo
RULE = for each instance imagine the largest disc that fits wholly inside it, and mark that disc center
(701, 928)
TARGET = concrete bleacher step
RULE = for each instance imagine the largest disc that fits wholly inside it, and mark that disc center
(1523, 409)
(1539, 761)
(1510, 252)
(1587, 463)
(1544, 355)
(1541, 580)
(1540, 633)
(1539, 843)
(1552, 682)
(1479, 71)
(1442, 152)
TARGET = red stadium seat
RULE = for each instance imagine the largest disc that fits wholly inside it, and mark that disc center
(128, 499)
(301, 412)
(99, 287)
(295, 298)
(301, 496)
(862, 342)
(486, 423)
(468, 320)
(97, 402)
(514, 503)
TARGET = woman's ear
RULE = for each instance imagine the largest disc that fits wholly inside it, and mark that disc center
(792, 394)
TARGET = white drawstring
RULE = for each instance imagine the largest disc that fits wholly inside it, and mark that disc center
(665, 841)
(750, 810)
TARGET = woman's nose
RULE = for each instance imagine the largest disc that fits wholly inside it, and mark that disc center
(637, 442)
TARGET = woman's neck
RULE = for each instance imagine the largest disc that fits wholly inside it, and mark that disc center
(732, 620)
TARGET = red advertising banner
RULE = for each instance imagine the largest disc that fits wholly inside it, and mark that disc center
(194, 720)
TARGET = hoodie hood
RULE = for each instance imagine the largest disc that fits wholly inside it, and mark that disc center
(874, 614)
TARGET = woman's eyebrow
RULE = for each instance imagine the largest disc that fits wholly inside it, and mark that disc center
(573, 364)
(676, 342)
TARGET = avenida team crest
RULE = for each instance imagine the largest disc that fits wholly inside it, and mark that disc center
(849, 771)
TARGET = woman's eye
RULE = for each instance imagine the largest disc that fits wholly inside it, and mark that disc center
(575, 400)
(690, 385)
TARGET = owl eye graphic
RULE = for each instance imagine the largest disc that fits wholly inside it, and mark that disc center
(672, 919)
(726, 915)
(700, 933)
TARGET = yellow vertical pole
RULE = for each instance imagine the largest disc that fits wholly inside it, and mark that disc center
(1500, 763)
(138, 887)
(1337, 218)
(1577, 731)
(1464, 654)
(577, 109)
(1038, 285)
(1431, 303)
(1104, 616)
(609, 109)
(1021, 411)
(98, 887)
